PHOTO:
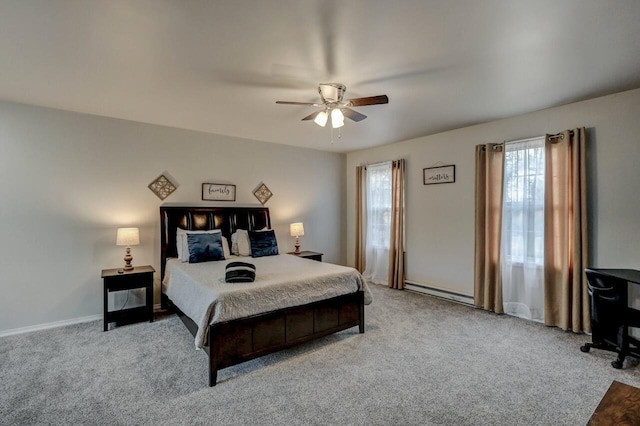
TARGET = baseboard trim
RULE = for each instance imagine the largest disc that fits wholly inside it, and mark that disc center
(56, 324)
(49, 325)
(441, 293)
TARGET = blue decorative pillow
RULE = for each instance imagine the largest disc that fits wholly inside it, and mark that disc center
(263, 243)
(240, 272)
(205, 247)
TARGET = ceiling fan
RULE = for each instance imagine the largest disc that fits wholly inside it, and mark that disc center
(335, 107)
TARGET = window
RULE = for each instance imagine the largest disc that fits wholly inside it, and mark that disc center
(379, 204)
(523, 229)
(378, 238)
(523, 205)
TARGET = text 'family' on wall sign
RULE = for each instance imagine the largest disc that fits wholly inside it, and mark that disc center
(218, 192)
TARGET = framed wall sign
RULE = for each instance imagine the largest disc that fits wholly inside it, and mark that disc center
(218, 192)
(441, 174)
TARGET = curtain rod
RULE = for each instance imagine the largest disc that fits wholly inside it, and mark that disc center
(498, 146)
(380, 162)
(495, 147)
(524, 140)
(560, 135)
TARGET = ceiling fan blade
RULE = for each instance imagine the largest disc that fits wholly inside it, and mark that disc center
(371, 100)
(297, 103)
(311, 116)
(354, 115)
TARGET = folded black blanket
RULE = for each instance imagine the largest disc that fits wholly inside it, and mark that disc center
(240, 272)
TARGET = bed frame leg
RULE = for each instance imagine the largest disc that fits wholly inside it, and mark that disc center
(213, 371)
(213, 357)
(361, 312)
(164, 304)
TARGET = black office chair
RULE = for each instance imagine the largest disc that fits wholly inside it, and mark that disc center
(611, 317)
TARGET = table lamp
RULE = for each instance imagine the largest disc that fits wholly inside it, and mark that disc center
(296, 230)
(128, 237)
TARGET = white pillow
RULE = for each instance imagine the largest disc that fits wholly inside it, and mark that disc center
(240, 244)
(234, 243)
(225, 247)
(182, 243)
(244, 246)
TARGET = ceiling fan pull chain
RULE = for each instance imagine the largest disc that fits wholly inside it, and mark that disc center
(332, 135)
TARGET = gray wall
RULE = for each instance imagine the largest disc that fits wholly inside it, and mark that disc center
(440, 218)
(70, 180)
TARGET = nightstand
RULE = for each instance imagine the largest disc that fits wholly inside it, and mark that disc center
(140, 277)
(313, 255)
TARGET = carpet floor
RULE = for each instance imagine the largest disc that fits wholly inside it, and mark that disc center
(422, 361)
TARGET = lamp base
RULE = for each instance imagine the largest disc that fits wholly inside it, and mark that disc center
(127, 260)
(297, 245)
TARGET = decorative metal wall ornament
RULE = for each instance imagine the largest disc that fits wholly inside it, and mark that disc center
(162, 187)
(263, 193)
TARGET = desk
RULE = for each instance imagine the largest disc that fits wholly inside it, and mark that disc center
(611, 315)
(629, 275)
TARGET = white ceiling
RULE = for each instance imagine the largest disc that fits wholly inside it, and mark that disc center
(219, 66)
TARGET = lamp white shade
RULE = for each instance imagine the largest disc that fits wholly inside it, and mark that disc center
(128, 237)
(321, 118)
(337, 118)
(296, 229)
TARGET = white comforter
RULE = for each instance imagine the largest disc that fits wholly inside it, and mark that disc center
(199, 290)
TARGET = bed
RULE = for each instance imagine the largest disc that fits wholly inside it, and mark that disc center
(311, 300)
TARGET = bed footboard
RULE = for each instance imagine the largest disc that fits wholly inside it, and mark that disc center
(240, 340)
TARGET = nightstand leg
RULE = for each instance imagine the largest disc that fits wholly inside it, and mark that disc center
(150, 301)
(106, 308)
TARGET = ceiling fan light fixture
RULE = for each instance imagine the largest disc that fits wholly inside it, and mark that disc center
(337, 118)
(321, 119)
(333, 105)
(331, 92)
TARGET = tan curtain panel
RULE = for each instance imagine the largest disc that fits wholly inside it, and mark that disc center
(361, 218)
(397, 245)
(488, 226)
(565, 237)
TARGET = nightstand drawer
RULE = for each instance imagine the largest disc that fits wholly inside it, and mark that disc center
(128, 282)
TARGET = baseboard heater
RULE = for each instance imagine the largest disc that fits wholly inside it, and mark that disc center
(444, 294)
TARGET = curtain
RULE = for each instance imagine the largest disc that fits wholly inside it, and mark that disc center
(361, 217)
(523, 229)
(378, 196)
(397, 247)
(565, 237)
(488, 212)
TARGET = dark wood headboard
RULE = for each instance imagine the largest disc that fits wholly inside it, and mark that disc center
(227, 219)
